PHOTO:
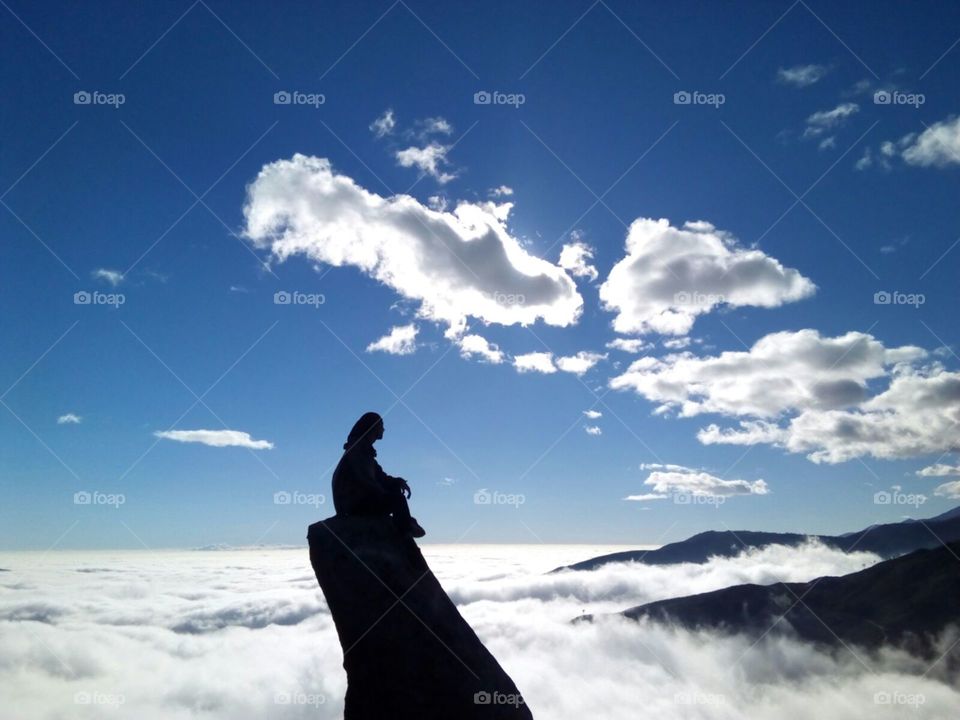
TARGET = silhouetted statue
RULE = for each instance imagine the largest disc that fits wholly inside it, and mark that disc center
(408, 653)
(361, 487)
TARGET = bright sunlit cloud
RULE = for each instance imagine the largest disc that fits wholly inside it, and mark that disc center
(671, 275)
(215, 438)
(401, 340)
(456, 264)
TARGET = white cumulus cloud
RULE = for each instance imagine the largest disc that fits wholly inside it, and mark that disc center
(672, 480)
(580, 363)
(949, 490)
(939, 470)
(457, 264)
(401, 340)
(541, 362)
(782, 372)
(937, 146)
(576, 257)
(833, 399)
(671, 275)
(478, 345)
(69, 419)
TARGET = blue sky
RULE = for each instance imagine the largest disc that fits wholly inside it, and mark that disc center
(178, 190)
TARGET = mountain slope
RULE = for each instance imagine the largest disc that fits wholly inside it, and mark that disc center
(902, 602)
(888, 540)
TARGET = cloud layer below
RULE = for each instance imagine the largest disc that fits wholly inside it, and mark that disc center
(246, 635)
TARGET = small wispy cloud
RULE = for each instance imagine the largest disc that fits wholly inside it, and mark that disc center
(801, 75)
(630, 345)
(69, 419)
(677, 343)
(644, 497)
(435, 126)
(114, 277)
(384, 124)
(215, 438)
(823, 120)
(401, 340)
(428, 160)
(895, 244)
(592, 430)
(939, 470)
(949, 490)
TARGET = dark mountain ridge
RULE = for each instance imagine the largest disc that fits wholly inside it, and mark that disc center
(887, 540)
(905, 602)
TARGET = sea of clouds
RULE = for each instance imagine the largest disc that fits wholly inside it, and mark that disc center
(244, 634)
